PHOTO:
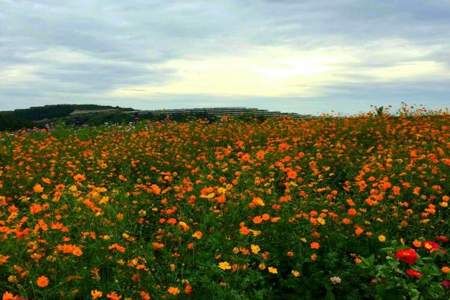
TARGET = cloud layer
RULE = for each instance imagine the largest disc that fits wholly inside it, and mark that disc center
(303, 56)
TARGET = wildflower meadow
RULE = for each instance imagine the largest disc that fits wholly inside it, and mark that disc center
(285, 208)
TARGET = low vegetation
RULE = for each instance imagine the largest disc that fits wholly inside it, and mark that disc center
(334, 208)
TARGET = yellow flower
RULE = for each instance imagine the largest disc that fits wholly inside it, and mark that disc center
(255, 248)
(321, 221)
(381, 238)
(295, 273)
(272, 270)
(255, 232)
(183, 226)
(262, 266)
(224, 265)
(198, 234)
(221, 190)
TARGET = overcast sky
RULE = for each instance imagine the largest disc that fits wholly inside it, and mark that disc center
(289, 55)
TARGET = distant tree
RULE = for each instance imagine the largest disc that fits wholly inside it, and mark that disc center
(9, 121)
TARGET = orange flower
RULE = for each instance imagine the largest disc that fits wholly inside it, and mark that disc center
(315, 245)
(79, 178)
(221, 199)
(246, 157)
(244, 230)
(257, 201)
(172, 221)
(346, 221)
(3, 259)
(417, 243)
(183, 226)
(260, 154)
(117, 247)
(42, 281)
(350, 202)
(351, 212)
(113, 296)
(9, 296)
(257, 220)
(283, 146)
(358, 230)
(396, 190)
(144, 295)
(275, 219)
(291, 174)
(35, 209)
(173, 290)
(265, 217)
(157, 246)
(155, 189)
(69, 249)
(188, 289)
(38, 188)
(46, 180)
(95, 294)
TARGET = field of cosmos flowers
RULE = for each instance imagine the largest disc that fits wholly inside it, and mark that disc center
(317, 208)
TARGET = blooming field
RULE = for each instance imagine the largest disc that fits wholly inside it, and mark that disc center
(346, 208)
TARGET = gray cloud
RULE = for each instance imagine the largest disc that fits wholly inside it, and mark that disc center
(112, 44)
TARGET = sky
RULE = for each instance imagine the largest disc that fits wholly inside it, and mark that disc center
(305, 56)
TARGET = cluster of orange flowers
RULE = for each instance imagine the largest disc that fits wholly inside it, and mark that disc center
(150, 210)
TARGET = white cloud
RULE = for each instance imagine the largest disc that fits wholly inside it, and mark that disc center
(59, 55)
(410, 71)
(262, 71)
(286, 71)
(15, 74)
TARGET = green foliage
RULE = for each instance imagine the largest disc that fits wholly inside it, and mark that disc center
(231, 208)
(9, 121)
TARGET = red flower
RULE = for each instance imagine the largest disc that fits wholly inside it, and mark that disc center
(408, 256)
(413, 273)
(442, 238)
(430, 246)
(445, 283)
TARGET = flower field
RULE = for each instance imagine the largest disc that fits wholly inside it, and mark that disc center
(319, 208)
